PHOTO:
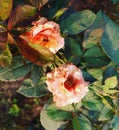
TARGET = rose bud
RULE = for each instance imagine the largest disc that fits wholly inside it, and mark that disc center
(41, 41)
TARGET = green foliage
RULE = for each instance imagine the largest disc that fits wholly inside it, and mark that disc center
(95, 57)
(109, 39)
(16, 70)
(35, 86)
(115, 1)
(110, 85)
(77, 22)
(6, 57)
(93, 34)
(97, 73)
(5, 7)
(56, 5)
(88, 77)
(59, 13)
(47, 122)
(21, 14)
(92, 101)
(105, 114)
(56, 113)
(81, 123)
(28, 89)
(14, 110)
(72, 50)
(115, 123)
(5, 53)
(92, 38)
(109, 72)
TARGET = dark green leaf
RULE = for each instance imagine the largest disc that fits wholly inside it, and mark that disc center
(56, 5)
(70, 108)
(72, 50)
(115, 122)
(77, 22)
(47, 122)
(28, 89)
(56, 113)
(93, 115)
(95, 57)
(5, 8)
(81, 123)
(16, 70)
(35, 86)
(110, 39)
(115, 1)
(88, 77)
(66, 126)
(107, 102)
(105, 114)
(110, 71)
(93, 34)
(98, 22)
(22, 14)
(36, 74)
(76, 123)
(92, 102)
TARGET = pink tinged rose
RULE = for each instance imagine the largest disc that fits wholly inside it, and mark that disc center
(47, 34)
(67, 85)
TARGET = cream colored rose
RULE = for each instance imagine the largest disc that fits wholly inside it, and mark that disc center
(67, 85)
(46, 33)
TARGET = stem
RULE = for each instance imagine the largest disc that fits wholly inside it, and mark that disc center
(75, 111)
(60, 60)
(73, 105)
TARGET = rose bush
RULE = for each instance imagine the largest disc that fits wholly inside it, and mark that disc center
(91, 43)
(67, 85)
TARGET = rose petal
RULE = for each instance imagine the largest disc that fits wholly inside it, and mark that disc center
(67, 85)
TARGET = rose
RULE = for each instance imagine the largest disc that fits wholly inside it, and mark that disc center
(41, 42)
(47, 34)
(67, 84)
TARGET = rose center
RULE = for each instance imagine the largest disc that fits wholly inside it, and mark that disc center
(45, 40)
(70, 83)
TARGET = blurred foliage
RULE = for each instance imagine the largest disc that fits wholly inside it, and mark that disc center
(115, 1)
